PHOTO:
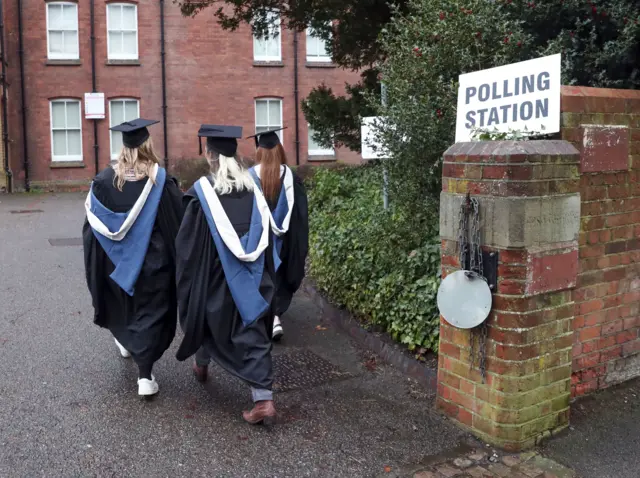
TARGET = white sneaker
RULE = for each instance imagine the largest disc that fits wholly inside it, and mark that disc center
(124, 352)
(147, 387)
(277, 329)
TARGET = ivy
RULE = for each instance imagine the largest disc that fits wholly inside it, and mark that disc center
(380, 265)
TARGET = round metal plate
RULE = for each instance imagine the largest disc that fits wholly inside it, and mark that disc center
(464, 302)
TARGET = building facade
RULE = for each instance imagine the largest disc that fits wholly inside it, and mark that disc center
(61, 50)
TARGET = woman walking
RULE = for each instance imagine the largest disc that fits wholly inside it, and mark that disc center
(287, 201)
(225, 273)
(133, 213)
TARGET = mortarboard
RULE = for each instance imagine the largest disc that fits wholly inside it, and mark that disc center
(134, 132)
(221, 139)
(267, 139)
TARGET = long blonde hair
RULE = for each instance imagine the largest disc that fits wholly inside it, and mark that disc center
(140, 160)
(228, 173)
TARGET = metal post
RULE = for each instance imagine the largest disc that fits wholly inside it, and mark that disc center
(385, 174)
(23, 101)
(165, 135)
(94, 86)
(296, 94)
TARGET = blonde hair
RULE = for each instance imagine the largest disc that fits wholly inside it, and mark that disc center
(140, 160)
(228, 173)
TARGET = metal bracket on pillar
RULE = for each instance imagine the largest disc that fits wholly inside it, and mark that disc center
(489, 268)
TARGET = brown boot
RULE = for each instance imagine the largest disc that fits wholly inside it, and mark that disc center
(200, 372)
(263, 412)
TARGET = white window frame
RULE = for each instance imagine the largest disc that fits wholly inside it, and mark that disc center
(269, 125)
(111, 100)
(317, 152)
(66, 157)
(122, 56)
(62, 56)
(315, 58)
(278, 38)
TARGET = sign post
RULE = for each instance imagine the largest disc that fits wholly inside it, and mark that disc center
(522, 96)
(385, 174)
(372, 149)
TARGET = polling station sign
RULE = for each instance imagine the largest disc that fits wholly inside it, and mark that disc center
(517, 97)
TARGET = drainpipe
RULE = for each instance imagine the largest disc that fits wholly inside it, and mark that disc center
(96, 148)
(296, 93)
(23, 101)
(164, 88)
(5, 135)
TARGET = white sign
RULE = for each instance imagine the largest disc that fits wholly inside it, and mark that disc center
(94, 105)
(371, 146)
(515, 97)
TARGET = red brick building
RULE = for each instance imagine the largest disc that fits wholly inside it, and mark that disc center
(211, 76)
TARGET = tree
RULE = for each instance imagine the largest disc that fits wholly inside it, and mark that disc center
(427, 50)
(600, 41)
(428, 47)
(350, 27)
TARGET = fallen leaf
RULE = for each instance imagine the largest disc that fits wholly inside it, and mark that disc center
(188, 416)
(371, 364)
(387, 469)
(320, 327)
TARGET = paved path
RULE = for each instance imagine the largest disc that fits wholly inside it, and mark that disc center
(604, 438)
(68, 403)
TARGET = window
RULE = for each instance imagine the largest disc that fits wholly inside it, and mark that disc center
(121, 110)
(317, 48)
(122, 31)
(315, 149)
(268, 48)
(62, 31)
(66, 130)
(269, 115)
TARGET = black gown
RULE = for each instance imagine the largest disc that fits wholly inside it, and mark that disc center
(295, 246)
(208, 315)
(144, 323)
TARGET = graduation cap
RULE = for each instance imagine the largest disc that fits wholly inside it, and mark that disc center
(134, 132)
(267, 139)
(221, 139)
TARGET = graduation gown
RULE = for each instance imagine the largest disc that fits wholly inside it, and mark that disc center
(295, 241)
(144, 322)
(209, 316)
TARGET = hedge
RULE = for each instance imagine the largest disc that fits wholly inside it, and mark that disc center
(383, 266)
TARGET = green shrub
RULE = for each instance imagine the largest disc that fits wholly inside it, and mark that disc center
(383, 266)
(188, 171)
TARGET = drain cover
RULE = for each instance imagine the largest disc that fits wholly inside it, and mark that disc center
(25, 211)
(66, 241)
(303, 369)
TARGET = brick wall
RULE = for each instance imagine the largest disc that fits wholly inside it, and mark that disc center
(530, 217)
(3, 175)
(564, 220)
(605, 126)
(211, 78)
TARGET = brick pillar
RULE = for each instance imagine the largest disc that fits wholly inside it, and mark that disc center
(530, 216)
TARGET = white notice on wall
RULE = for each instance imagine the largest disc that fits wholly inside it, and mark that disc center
(370, 144)
(517, 97)
(94, 106)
